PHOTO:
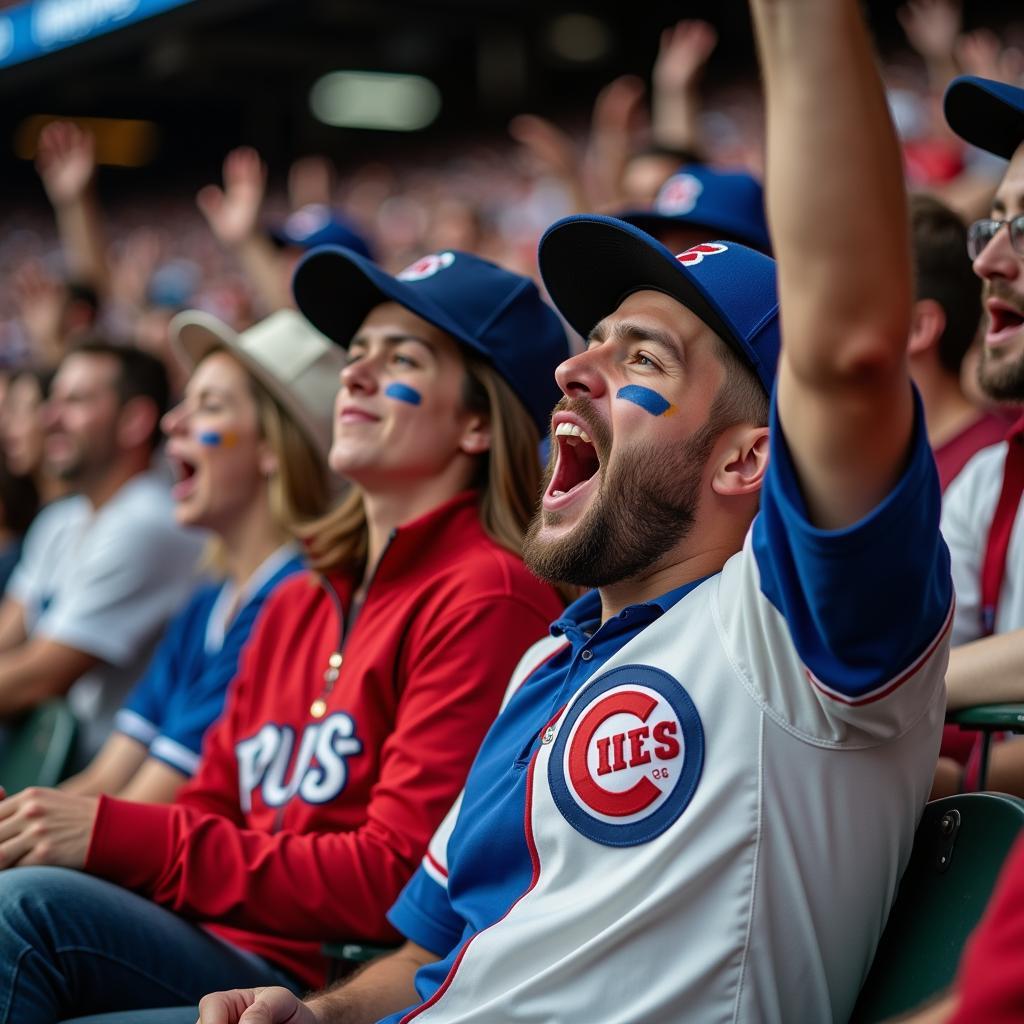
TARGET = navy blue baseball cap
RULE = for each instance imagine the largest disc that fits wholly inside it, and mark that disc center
(491, 311)
(728, 204)
(316, 224)
(591, 263)
(987, 114)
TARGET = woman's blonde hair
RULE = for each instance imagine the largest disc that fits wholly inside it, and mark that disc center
(508, 478)
(300, 490)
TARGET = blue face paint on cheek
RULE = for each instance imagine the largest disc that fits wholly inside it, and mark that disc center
(648, 400)
(216, 439)
(403, 393)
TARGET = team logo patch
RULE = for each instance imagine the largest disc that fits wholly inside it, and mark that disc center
(679, 194)
(427, 266)
(696, 253)
(627, 757)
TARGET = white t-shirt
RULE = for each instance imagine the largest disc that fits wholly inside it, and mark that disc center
(106, 582)
(968, 507)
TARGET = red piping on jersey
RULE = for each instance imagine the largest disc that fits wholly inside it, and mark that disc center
(435, 864)
(534, 860)
(877, 694)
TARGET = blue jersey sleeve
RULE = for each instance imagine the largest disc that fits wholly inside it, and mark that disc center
(861, 603)
(424, 915)
(197, 702)
(196, 699)
(143, 714)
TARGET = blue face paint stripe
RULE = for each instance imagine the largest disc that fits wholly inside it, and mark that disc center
(214, 439)
(403, 393)
(648, 400)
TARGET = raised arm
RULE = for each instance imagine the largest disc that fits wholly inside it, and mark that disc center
(837, 211)
(66, 162)
(233, 213)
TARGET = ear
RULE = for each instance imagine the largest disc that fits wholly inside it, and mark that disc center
(476, 435)
(136, 422)
(268, 461)
(927, 322)
(742, 461)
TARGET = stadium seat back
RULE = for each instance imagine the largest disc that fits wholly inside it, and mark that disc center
(959, 849)
(39, 749)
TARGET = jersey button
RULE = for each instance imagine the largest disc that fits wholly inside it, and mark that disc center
(586, 655)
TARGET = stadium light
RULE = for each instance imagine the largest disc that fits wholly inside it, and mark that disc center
(375, 100)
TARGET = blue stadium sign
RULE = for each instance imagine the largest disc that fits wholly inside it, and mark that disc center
(34, 29)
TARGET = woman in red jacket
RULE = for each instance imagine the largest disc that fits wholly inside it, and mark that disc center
(362, 693)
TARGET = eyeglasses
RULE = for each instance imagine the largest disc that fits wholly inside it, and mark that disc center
(981, 232)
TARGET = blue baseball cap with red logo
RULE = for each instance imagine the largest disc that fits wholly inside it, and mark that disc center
(591, 263)
(728, 204)
(317, 224)
(494, 312)
(987, 114)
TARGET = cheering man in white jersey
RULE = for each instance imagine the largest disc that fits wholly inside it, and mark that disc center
(699, 797)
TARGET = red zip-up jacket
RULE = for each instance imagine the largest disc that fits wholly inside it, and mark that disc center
(299, 829)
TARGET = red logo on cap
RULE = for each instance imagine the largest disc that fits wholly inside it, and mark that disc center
(427, 266)
(679, 194)
(696, 253)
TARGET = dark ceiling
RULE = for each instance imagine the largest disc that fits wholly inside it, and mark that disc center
(218, 72)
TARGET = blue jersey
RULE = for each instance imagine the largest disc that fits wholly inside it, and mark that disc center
(183, 690)
(644, 833)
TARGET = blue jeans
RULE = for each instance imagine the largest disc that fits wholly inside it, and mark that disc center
(72, 944)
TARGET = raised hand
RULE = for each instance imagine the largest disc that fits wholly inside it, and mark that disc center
(310, 180)
(233, 211)
(616, 121)
(684, 50)
(66, 161)
(254, 1006)
(40, 299)
(549, 146)
(932, 27)
(981, 53)
(132, 264)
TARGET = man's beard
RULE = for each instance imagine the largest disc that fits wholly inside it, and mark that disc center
(643, 508)
(1002, 381)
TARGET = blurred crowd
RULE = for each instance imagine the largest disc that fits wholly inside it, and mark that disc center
(126, 268)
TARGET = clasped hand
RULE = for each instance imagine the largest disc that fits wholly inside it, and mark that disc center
(45, 827)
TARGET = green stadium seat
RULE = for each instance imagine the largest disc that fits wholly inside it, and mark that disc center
(345, 957)
(959, 849)
(39, 748)
(989, 719)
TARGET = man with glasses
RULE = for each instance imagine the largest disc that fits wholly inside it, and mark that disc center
(983, 516)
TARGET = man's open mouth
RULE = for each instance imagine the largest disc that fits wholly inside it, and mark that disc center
(577, 462)
(1004, 321)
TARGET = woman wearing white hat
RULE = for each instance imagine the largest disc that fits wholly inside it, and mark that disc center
(249, 443)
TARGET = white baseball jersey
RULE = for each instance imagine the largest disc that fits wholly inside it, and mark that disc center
(967, 511)
(700, 809)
